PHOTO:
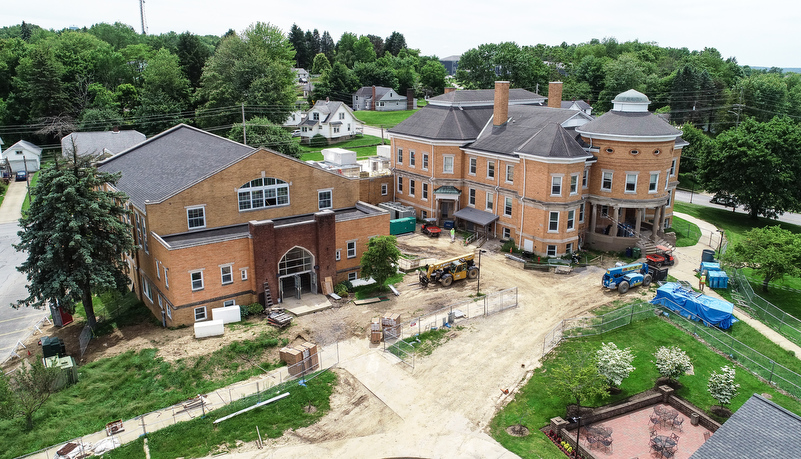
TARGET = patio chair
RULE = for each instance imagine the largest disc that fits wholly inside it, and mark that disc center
(677, 424)
(674, 437)
(654, 420)
(653, 431)
(592, 441)
(668, 453)
(607, 442)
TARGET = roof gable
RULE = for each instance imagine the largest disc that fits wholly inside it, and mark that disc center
(97, 143)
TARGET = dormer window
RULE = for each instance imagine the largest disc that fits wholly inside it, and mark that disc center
(316, 116)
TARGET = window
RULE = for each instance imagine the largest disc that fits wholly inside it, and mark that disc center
(581, 213)
(316, 116)
(584, 178)
(571, 220)
(339, 254)
(400, 184)
(144, 235)
(19, 152)
(161, 302)
(471, 197)
(656, 152)
(447, 164)
(510, 173)
(411, 158)
(606, 182)
(229, 303)
(336, 129)
(196, 217)
(631, 183)
(553, 222)
(200, 313)
(263, 193)
(473, 165)
(342, 116)
(609, 150)
(425, 191)
(673, 167)
(604, 211)
(353, 276)
(490, 199)
(653, 182)
(197, 280)
(400, 155)
(490, 169)
(667, 223)
(551, 251)
(425, 161)
(635, 152)
(556, 186)
(670, 195)
(166, 279)
(158, 270)
(384, 189)
(423, 214)
(146, 289)
(574, 184)
(169, 311)
(411, 187)
(348, 127)
(243, 274)
(351, 249)
(324, 199)
(569, 247)
(227, 274)
(507, 207)
(507, 233)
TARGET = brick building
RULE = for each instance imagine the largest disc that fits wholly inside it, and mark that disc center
(501, 163)
(220, 223)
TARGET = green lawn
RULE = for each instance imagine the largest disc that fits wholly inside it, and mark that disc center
(364, 147)
(687, 234)
(134, 383)
(735, 224)
(533, 407)
(385, 119)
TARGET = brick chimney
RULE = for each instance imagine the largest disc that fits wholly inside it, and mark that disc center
(555, 94)
(372, 101)
(447, 90)
(501, 107)
(409, 98)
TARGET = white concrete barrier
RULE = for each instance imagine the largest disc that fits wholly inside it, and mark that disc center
(228, 314)
(209, 328)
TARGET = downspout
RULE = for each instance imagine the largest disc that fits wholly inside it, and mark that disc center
(522, 205)
(495, 204)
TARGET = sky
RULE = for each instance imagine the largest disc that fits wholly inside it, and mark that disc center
(757, 33)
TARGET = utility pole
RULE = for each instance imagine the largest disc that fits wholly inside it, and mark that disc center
(244, 128)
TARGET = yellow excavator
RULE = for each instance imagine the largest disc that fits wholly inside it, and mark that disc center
(447, 271)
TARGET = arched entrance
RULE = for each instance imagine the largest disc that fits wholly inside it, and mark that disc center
(296, 273)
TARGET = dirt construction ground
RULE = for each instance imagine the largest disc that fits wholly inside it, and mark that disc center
(382, 408)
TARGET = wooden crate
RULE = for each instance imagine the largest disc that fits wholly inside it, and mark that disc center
(376, 336)
(310, 357)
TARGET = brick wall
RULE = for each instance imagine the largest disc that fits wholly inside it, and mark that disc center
(358, 230)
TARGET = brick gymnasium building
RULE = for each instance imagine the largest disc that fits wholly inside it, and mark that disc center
(220, 223)
(501, 163)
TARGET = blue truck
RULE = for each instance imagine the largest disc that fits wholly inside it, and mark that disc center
(624, 277)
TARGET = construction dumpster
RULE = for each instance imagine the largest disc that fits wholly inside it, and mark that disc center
(402, 225)
(718, 279)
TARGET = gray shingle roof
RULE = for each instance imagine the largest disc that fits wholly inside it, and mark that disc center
(168, 163)
(367, 91)
(445, 123)
(486, 96)
(532, 130)
(639, 124)
(579, 103)
(760, 428)
(96, 143)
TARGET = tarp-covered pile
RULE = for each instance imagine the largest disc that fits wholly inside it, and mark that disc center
(695, 306)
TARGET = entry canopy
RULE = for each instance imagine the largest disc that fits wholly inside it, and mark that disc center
(695, 306)
(479, 217)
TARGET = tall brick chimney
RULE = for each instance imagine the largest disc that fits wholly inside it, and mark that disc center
(501, 107)
(372, 101)
(555, 94)
(409, 98)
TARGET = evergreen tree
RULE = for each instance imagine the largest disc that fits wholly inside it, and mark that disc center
(327, 46)
(76, 237)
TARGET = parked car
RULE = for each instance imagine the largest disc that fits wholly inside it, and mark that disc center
(296, 133)
(22, 176)
(724, 200)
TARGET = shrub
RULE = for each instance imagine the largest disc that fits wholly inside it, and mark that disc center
(509, 247)
(672, 362)
(721, 385)
(614, 364)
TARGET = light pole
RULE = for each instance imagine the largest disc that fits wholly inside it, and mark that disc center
(478, 284)
(720, 243)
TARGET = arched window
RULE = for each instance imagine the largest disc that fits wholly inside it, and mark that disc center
(262, 193)
(297, 260)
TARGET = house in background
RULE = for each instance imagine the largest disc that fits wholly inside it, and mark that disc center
(577, 105)
(101, 144)
(333, 120)
(23, 156)
(218, 223)
(451, 63)
(302, 74)
(383, 99)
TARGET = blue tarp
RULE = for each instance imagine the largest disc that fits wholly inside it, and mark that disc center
(709, 266)
(718, 279)
(695, 306)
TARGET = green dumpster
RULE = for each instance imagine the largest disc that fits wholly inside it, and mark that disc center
(636, 252)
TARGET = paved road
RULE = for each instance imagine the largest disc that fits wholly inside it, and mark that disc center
(15, 324)
(374, 131)
(703, 200)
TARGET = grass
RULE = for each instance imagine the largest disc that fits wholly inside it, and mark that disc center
(534, 409)
(3, 188)
(735, 224)
(424, 343)
(687, 234)
(371, 290)
(131, 384)
(114, 311)
(364, 147)
(199, 437)
(27, 202)
(385, 119)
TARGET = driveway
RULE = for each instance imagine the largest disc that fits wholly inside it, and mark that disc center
(15, 324)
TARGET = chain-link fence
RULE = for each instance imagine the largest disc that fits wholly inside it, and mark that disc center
(769, 314)
(36, 328)
(395, 340)
(244, 394)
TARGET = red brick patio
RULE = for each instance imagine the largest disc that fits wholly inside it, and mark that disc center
(631, 437)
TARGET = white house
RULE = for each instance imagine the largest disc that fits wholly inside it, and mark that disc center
(382, 99)
(23, 156)
(333, 120)
(101, 143)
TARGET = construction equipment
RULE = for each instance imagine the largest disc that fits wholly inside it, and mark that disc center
(431, 230)
(447, 271)
(663, 256)
(624, 277)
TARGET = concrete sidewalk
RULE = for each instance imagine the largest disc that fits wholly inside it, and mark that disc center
(11, 209)
(689, 258)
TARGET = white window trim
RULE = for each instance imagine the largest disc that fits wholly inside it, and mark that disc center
(229, 303)
(192, 282)
(205, 316)
(412, 186)
(636, 179)
(510, 207)
(471, 196)
(399, 156)
(424, 195)
(354, 248)
(672, 168)
(453, 163)
(548, 250)
(399, 185)
(353, 275)
(491, 167)
(571, 226)
(412, 159)
(574, 192)
(330, 198)
(158, 270)
(425, 161)
(656, 183)
(585, 179)
(558, 217)
(339, 254)
(230, 267)
(470, 169)
(489, 201)
(169, 311)
(553, 182)
(243, 274)
(611, 180)
(512, 175)
(147, 290)
(506, 233)
(384, 189)
(582, 210)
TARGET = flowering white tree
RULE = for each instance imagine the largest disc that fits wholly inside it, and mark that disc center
(721, 385)
(672, 362)
(614, 364)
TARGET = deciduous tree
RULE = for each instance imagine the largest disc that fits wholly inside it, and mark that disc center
(575, 376)
(614, 364)
(380, 261)
(721, 385)
(262, 133)
(773, 252)
(26, 390)
(672, 362)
